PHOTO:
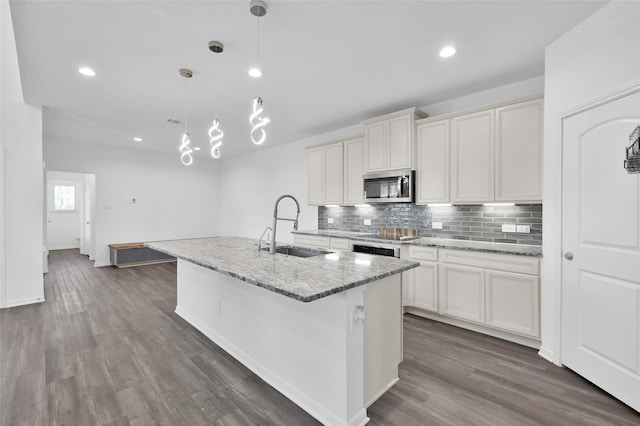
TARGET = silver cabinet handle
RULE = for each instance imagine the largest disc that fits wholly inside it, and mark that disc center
(568, 255)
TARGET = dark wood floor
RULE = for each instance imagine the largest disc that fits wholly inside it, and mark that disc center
(106, 349)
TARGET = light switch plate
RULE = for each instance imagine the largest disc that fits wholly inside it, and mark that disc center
(367, 222)
(330, 220)
(436, 225)
(523, 229)
(506, 227)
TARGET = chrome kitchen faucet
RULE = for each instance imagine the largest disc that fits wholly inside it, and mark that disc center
(272, 249)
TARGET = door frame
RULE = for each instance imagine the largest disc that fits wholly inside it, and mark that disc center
(87, 195)
(586, 106)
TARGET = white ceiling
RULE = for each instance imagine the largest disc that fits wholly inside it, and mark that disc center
(326, 64)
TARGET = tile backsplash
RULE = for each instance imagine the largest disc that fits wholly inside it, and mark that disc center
(473, 222)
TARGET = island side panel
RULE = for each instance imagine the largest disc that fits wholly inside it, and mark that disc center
(310, 352)
(382, 336)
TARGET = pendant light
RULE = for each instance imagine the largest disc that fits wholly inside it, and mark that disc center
(215, 132)
(258, 8)
(185, 145)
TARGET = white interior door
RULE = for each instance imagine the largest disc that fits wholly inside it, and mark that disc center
(601, 245)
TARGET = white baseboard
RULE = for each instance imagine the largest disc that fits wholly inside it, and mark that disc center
(22, 302)
(548, 355)
(63, 247)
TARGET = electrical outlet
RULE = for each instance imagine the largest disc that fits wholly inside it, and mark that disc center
(523, 229)
(367, 222)
(330, 220)
(506, 227)
(436, 225)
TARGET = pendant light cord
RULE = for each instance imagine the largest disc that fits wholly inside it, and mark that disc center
(186, 97)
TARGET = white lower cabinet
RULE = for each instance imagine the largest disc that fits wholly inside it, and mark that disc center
(425, 286)
(420, 285)
(462, 292)
(496, 294)
(512, 302)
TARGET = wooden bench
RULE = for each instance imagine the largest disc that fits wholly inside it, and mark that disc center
(136, 254)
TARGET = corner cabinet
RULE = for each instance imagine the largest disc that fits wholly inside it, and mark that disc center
(389, 141)
(325, 174)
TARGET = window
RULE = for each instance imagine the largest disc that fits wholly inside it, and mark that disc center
(64, 198)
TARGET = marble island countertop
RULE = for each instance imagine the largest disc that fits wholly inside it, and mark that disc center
(303, 279)
(502, 248)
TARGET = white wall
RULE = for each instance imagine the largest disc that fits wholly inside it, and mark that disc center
(64, 227)
(21, 279)
(172, 201)
(598, 57)
(252, 183)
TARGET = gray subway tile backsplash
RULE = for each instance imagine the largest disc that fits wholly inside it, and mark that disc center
(475, 222)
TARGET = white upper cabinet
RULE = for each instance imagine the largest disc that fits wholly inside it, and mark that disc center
(496, 155)
(518, 152)
(432, 162)
(389, 141)
(324, 174)
(472, 155)
(353, 172)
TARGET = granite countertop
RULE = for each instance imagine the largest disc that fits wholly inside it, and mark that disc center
(446, 243)
(303, 279)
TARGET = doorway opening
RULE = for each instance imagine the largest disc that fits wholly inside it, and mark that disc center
(70, 207)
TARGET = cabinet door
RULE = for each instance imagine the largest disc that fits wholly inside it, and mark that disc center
(353, 172)
(407, 288)
(425, 286)
(432, 166)
(315, 176)
(472, 157)
(462, 292)
(333, 174)
(513, 302)
(519, 152)
(400, 142)
(375, 147)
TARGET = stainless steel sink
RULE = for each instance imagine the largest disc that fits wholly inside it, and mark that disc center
(299, 251)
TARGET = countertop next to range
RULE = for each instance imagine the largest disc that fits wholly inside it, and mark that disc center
(303, 279)
(502, 248)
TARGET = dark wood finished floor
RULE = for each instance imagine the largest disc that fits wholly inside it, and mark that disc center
(106, 349)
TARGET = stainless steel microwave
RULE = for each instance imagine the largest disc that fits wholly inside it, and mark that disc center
(396, 186)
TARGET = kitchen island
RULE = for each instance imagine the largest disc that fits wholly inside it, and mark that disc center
(325, 331)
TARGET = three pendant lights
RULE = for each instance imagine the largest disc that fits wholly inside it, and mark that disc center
(257, 121)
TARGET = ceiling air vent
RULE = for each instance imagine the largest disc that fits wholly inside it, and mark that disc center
(173, 121)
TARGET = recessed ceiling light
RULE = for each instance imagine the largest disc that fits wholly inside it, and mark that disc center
(137, 139)
(447, 52)
(255, 72)
(87, 71)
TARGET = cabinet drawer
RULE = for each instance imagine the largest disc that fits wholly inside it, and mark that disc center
(339, 244)
(423, 253)
(501, 262)
(312, 240)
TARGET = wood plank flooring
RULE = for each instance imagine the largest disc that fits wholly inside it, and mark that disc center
(106, 349)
